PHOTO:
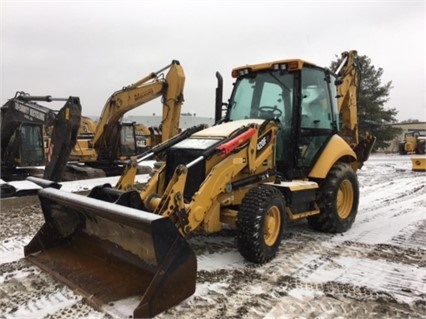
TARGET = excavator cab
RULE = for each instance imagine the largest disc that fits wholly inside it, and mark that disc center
(127, 140)
(22, 139)
(32, 150)
(34, 135)
(26, 146)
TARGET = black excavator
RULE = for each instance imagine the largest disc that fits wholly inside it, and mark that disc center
(34, 136)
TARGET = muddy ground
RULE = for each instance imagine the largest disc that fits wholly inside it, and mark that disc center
(375, 270)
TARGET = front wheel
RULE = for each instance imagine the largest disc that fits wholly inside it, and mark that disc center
(260, 223)
(338, 200)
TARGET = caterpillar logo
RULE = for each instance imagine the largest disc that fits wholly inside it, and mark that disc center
(263, 141)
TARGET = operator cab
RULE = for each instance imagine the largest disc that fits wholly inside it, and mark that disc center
(32, 146)
(24, 147)
(121, 146)
(298, 95)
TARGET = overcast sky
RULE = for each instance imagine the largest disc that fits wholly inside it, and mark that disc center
(92, 48)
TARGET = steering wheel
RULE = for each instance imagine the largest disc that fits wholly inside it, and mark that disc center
(270, 111)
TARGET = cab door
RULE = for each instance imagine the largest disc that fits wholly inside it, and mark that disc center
(127, 140)
(32, 145)
(317, 116)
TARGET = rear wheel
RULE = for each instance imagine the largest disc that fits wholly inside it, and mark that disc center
(260, 223)
(338, 200)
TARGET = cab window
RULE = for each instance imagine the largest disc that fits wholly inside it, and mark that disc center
(316, 124)
(316, 109)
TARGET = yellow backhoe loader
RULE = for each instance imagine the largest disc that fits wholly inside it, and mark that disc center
(281, 152)
(103, 145)
(414, 142)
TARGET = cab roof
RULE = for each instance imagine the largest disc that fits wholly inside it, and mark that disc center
(289, 64)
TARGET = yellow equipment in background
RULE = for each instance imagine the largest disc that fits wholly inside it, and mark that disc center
(103, 147)
(418, 163)
(414, 142)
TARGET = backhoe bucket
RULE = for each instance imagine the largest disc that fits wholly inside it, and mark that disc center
(108, 252)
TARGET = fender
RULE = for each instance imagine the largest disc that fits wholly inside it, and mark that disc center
(336, 149)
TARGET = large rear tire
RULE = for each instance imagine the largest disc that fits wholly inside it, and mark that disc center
(260, 223)
(338, 200)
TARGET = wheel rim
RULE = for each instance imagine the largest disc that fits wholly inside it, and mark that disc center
(345, 199)
(272, 226)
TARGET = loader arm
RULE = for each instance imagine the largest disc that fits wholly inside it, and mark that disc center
(127, 178)
(233, 156)
(220, 181)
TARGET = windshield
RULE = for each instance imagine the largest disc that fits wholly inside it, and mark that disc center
(127, 140)
(263, 95)
(32, 144)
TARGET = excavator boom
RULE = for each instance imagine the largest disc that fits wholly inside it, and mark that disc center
(134, 95)
(348, 83)
(62, 139)
(102, 148)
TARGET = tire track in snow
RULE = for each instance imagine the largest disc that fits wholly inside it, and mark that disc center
(384, 215)
(373, 271)
(292, 273)
(413, 236)
(12, 249)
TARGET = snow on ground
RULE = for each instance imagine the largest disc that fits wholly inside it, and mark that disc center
(78, 186)
(375, 270)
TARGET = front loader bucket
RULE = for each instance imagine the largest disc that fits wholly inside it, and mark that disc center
(109, 252)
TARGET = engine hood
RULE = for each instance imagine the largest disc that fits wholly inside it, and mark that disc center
(225, 129)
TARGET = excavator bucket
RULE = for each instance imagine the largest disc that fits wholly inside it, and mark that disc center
(109, 252)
